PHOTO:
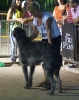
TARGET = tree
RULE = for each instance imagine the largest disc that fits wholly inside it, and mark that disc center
(42, 3)
(4, 5)
(45, 4)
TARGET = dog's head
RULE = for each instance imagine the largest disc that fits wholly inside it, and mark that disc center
(19, 33)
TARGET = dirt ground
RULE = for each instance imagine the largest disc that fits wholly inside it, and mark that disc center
(12, 82)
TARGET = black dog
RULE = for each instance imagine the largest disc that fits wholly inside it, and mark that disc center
(33, 53)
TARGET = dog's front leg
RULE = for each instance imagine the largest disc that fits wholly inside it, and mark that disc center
(31, 75)
(25, 70)
(52, 81)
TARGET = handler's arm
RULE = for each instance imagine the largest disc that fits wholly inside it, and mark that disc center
(27, 20)
(35, 33)
(48, 28)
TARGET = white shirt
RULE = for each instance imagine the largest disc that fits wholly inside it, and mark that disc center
(76, 13)
(42, 29)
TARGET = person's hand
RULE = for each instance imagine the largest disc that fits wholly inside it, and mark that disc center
(76, 21)
(24, 21)
(19, 19)
(60, 23)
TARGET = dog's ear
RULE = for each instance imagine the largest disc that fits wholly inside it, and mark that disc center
(18, 31)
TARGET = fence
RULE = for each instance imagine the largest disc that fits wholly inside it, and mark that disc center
(70, 39)
(5, 40)
(3, 15)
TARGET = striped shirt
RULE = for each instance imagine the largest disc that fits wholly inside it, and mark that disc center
(69, 18)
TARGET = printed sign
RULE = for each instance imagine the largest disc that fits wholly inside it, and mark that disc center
(68, 36)
(68, 44)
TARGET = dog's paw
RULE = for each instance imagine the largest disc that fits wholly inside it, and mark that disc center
(26, 87)
(60, 87)
(49, 93)
(59, 90)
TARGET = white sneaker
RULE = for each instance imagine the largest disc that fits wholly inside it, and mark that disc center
(15, 65)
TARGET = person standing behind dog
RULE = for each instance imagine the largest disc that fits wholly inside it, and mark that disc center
(14, 13)
(27, 18)
(45, 23)
(74, 13)
(60, 12)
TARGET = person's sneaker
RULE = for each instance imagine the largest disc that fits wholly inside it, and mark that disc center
(15, 64)
(41, 84)
(65, 62)
(72, 66)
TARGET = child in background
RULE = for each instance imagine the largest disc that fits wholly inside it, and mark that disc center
(14, 14)
(28, 18)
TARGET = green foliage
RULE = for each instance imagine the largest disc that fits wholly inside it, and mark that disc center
(3, 5)
(42, 3)
(47, 4)
(50, 4)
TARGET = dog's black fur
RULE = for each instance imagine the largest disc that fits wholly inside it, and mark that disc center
(33, 53)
